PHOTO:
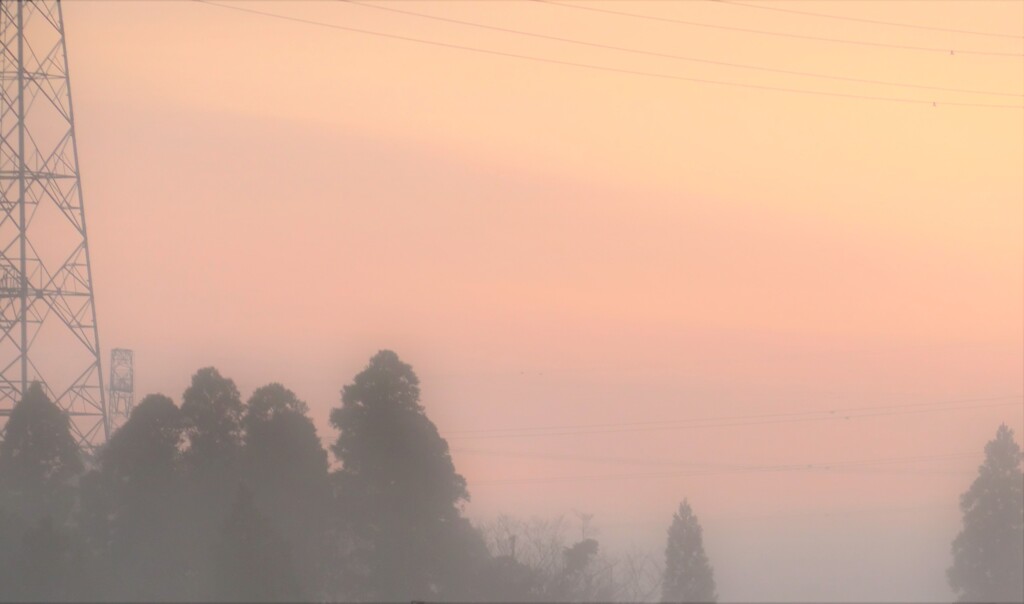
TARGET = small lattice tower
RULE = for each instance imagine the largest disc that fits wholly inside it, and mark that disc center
(48, 327)
(122, 387)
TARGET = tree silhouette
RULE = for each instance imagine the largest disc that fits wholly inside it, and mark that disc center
(399, 491)
(988, 554)
(580, 578)
(51, 564)
(253, 562)
(146, 448)
(688, 574)
(132, 505)
(533, 562)
(509, 580)
(282, 449)
(39, 462)
(285, 466)
(213, 410)
(38, 459)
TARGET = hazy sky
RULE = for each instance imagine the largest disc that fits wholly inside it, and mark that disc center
(551, 245)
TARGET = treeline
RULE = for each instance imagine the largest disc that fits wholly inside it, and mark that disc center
(220, 499)
(223, 500)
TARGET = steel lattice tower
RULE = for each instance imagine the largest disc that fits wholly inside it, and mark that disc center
(122, 387)
(48, 327)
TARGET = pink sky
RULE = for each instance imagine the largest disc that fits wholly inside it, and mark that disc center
(550, 245)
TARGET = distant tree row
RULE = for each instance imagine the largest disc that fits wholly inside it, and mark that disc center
(221, 499)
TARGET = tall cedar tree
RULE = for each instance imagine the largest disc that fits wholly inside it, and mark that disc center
(134, 504)
(688, 574)
(988, 554)
(146, 449)
(38, 459)
(400, 494)
(285, 466)
(212, 410)
(253, 563)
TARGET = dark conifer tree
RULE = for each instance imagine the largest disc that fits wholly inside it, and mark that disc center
(39, 458)
(399, 492)
(146, 449)
(133, 504)
(988, 554)
(39, 461)
(212, 412)
(253, 563)
(688, 574)
(212, 409)
(285, 467)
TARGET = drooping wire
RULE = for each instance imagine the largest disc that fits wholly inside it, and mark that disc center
(675, 56)
(676, 463)
(950, 51)
(714, 425)
(731, 421)
(871, 21)
(605, 68)
(866, 466)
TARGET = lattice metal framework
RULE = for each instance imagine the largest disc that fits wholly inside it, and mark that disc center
(48, 327)
(122, 387)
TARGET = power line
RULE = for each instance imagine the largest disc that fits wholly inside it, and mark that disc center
(949, 505)
(719, 425)
(872, 21)
(864, 465)
(833, 411)
(674, 56)
(695, 465)
(604, 67)
(949, 51)
(753, 420)
(725, 418)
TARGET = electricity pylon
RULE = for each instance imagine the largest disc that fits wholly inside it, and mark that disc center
(122, 387)
(47, 313)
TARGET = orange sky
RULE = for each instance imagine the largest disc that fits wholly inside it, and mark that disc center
(552, 245)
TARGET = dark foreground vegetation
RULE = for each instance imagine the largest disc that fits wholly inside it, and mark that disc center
(220, 499)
